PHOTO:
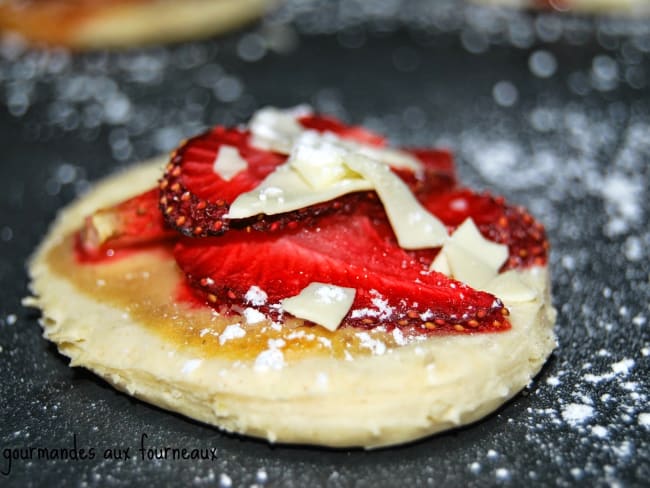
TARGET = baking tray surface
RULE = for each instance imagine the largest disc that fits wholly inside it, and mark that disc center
(552, 111)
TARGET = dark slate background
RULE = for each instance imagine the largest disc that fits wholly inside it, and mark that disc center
(551, 111)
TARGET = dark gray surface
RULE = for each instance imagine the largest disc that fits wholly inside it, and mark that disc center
(574, 146)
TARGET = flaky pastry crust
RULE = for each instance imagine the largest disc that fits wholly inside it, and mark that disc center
(405, 393)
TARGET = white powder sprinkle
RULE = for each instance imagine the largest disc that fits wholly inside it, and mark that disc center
(11, 319)
(600, 431)
(553, 381)
(254, 316)
(233, 331)
(269, 359)
(576, 413)
(382, 310)
(329, 294)
(398, 336)
(272, 358)
(624, 450)
(256, 296)
(644, 419)
(592, 378)
(623, 366)
(376, 346)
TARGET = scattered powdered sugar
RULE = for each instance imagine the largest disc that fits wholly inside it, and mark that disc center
(623, 367)
(381, 309)
(600, 431)
(377, 347)
(330, 294)
(577, 413)
(256, 296)
(644, 419)
(398, 336)
(253, 316)
(233, 331)
(272, 358)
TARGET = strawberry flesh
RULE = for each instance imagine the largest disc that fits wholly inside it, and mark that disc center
(497, 221)
(131, 223)
(195, 199)
(322, 123)
(346, 242)
(357, 250)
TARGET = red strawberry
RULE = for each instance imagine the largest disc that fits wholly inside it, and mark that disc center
(133, 222)
(356, 251)
(194, 199)
(322, 123)
(497, 221)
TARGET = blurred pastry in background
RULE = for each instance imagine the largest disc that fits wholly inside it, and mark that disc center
(624, 7)
(95, 24)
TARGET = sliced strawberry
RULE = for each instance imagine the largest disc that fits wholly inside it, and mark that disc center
(358, 251)
(322, 123)
(497, 221)
(438, 173)
(194, 199)
(133, 222)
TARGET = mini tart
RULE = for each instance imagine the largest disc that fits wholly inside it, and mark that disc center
(292, 383)
(91, 24)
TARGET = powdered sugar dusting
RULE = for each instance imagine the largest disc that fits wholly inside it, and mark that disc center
(576, 413)
(232, 331)
(644, 419)
(253, 316)
(256, 296)
(271, 358)
(376, 346)
(381, 309)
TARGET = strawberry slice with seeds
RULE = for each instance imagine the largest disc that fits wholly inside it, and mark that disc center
(356, 250)
(195, 198)
(131, 223)
(497, 221)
